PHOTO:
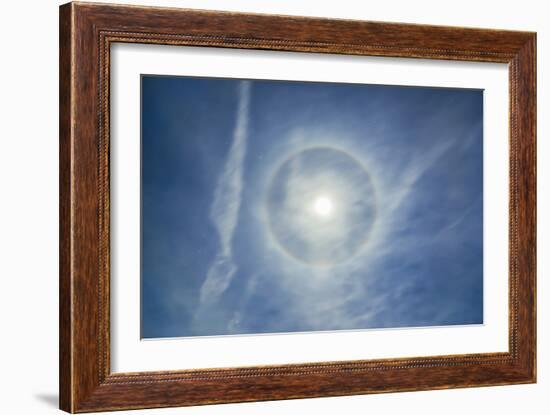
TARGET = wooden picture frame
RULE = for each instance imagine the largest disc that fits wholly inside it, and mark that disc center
(86, 33)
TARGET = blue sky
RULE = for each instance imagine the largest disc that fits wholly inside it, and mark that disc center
(271, 206)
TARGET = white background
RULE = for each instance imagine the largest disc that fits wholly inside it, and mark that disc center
(29, 209)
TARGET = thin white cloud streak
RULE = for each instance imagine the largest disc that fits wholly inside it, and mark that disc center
(224, 212)
(413, 172)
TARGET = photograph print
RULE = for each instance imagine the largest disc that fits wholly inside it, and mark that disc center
(284, 206)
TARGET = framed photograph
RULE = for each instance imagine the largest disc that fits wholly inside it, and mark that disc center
(258, 207)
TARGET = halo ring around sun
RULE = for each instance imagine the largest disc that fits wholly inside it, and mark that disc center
(321, 206)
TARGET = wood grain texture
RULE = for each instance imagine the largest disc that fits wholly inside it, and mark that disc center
(86, 33)
(65, 138)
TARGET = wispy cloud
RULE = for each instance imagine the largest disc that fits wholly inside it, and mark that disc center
(415, 169)
(224, 212)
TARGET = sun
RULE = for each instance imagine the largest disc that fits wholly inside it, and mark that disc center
(320, 206)
(323, 206)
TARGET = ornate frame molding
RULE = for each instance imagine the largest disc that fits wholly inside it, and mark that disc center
(86, 33)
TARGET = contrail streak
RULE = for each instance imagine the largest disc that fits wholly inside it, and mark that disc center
(224, 212)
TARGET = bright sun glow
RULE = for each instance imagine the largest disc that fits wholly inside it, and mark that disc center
(322, 206)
